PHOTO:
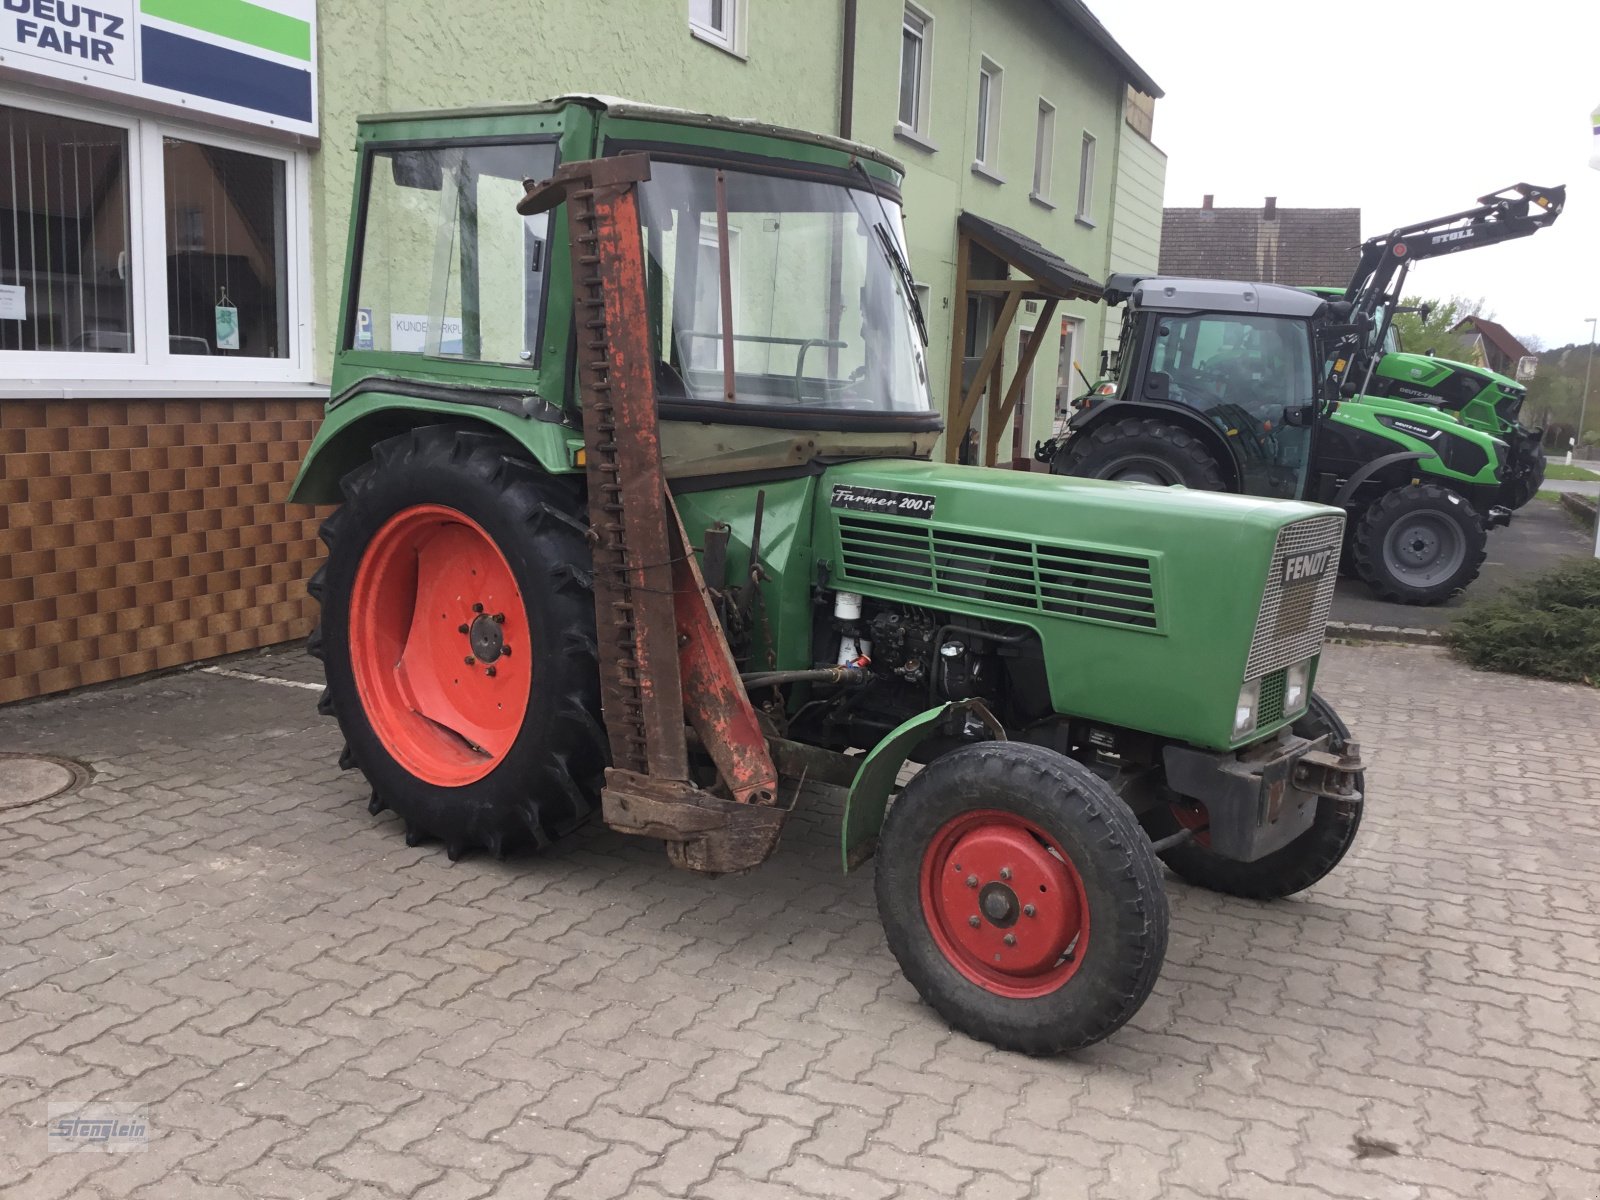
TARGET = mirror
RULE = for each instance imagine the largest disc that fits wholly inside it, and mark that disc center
(422, 169)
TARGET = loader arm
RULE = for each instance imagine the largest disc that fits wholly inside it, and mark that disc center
(1514, 212)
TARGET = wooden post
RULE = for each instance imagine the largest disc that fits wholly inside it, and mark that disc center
(953, 433)
(991, 435)
(961, 419)
(1030, 351)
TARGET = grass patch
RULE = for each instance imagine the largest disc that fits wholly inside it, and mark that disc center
(1547, 627)
(1552, 497)
(1562, 471)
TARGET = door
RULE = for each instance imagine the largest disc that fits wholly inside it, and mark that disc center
(1244, 374)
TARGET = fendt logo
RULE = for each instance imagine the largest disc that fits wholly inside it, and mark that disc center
(1455, 235)
(1299, 568)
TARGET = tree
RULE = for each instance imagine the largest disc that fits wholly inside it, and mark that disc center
(1434, 334)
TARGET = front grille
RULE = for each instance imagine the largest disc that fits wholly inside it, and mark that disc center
(1078, 582)
(1269, 709)
(1293, 615)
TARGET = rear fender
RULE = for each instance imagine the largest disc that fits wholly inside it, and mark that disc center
(355, 424)
(1171, 414)
(874, 782)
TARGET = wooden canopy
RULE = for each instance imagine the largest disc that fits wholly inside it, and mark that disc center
(1043, 276)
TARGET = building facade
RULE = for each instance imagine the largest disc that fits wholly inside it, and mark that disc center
(179, 187)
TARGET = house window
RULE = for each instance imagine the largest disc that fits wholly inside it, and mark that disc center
(720, 22)
(1086, 179)
(1044, 151)
(986, 152)
(135, 249)
(916, 46)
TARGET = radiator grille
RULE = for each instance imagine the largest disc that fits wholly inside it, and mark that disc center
(1062, 580)
(1294, 615)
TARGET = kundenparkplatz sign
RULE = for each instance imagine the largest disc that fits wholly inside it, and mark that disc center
(247, 60)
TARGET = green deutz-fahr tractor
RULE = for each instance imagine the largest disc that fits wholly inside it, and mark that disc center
(1273, 391)
(1374, 364)
(637, 516)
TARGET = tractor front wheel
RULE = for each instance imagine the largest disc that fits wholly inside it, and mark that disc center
(457, 636)
(1419, 544)
(1141, 450)
(1020, 896)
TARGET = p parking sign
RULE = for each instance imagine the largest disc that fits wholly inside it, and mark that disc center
(363, 329)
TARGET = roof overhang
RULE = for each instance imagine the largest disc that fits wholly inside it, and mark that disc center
(1052, 277)
(1077, 14)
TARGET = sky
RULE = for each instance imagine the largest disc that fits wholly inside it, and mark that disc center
(1406, 109)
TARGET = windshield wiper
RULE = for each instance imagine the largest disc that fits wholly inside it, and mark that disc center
(897, 260)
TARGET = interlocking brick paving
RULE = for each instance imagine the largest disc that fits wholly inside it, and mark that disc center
(214, 928)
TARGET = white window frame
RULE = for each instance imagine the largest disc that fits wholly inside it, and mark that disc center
(731, 37)
(1086, 153)
(151, 359)
(920, 22)
(987, 107)
(1044, 153)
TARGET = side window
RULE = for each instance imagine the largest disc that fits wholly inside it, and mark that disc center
(447, 267)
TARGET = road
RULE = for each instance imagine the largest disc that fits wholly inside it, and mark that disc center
(215, 929)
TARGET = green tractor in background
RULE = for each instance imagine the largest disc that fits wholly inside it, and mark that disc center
(1304, 394)
(633, 524)
(1375, 364)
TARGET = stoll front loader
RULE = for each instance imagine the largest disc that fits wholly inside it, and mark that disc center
(637, 516)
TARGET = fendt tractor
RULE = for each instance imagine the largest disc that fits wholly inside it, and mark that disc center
(636, 515)
(1274, 391)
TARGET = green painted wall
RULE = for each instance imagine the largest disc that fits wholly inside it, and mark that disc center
(404, 54)
(1136, 222)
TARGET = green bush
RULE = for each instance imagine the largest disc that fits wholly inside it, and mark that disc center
(1548, 627)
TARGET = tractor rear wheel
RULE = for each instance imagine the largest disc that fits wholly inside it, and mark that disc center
(457, 636)
(1021, 898)
(1141, 450)
(1419, 544)
(1296, 866)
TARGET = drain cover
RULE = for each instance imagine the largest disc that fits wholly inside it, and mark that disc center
(26, 779)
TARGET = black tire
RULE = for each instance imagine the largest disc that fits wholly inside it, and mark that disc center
(1419, 544)
(1347, 552)
(1104, 845)
(1299, 864)
(1141, 450)
(548, 781)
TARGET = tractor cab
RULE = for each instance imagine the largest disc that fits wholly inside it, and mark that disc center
(1231, 364)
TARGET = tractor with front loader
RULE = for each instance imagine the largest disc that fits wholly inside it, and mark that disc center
(637, 519)
(1288, 392)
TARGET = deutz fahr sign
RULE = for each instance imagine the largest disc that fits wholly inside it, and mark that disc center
(95, 37)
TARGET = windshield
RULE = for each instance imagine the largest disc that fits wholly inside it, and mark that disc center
(447, 268)
(816, 313)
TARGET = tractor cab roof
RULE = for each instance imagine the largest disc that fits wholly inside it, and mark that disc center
(624, 109)
(1162, 293)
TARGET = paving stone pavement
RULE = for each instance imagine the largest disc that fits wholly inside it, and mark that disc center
(214, 928)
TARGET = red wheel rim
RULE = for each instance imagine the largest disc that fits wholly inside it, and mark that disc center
(1191, 814)
(1005, 905)
(439, 645)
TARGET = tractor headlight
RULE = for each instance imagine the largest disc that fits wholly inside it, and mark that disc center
(1244, 713)
(1296, 684)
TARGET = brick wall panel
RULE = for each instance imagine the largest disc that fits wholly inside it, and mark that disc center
(139, 535)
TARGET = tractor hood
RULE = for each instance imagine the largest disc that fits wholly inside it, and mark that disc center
(1120, 580)
(1402, 364)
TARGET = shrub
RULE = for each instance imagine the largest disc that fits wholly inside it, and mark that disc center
(1548, 627)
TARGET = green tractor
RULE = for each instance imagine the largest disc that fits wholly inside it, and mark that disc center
(1220, 385)
(636, 517)
(1375, 364)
